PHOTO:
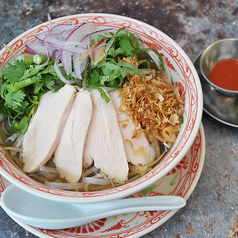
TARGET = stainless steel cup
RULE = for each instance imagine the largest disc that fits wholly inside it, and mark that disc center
(219, 50)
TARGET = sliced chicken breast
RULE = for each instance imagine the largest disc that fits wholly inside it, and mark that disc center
(46, 127)
(104, 141)
(69, 153)
(138, 149)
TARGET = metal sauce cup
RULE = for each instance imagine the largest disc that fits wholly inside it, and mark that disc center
(219, 50)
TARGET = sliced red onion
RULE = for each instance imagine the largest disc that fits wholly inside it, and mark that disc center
(41, 37)
(56, 54)
(66, 44)
(59, 73)
(60, 29)
(56, 36)
(66, 59)
(73, 47)
(65, 35)
(79, 33)
(86, 39)
(79, 67)
(52, 41)
(61, 32)
(37, 48)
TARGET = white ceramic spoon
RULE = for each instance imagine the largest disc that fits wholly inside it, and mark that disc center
(47, 214)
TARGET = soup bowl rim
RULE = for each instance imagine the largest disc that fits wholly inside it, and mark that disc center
(11, 172)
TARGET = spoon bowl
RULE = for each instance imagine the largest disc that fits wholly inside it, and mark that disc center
(48, 214)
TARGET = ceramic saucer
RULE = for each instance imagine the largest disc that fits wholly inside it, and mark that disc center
(181, 181)
(222, 108)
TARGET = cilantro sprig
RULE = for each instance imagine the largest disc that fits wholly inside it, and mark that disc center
(22, 87)
(111, 71)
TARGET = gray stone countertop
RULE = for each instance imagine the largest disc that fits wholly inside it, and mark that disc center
(212, 209)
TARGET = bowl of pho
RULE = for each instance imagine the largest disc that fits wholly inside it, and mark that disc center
(95, 107)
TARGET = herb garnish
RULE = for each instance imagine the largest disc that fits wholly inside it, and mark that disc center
(24, 82)
(22, 87)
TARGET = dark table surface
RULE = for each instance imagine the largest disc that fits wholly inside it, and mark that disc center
(212, 209)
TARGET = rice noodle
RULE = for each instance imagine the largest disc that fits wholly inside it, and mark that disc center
(48, 169)
(13, 149)
(19, 141)
(94, 180)
(65, 186)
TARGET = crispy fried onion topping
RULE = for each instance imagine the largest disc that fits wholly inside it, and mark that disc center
(153, 104)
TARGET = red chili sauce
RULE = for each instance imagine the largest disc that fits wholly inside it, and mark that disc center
(225, 74)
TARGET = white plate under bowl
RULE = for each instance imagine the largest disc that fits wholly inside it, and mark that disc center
(181, 181)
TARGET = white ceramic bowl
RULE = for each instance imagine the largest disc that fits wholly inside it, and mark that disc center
(183, 74)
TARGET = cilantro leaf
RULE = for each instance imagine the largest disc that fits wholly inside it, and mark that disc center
(94, 80)
(37, 86)
(126, 46)
(22, 125)
(23, 83)
(111, 70)
(31, 71)
(14, 99)
(49, 83)
(14, 71)
(134, 69)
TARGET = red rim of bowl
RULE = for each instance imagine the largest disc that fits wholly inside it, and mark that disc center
(156, 40)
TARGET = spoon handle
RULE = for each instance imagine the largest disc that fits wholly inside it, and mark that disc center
(136, 204)
(127, 205)
(47, 214)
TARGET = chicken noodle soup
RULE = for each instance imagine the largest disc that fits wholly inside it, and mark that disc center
(103, 128)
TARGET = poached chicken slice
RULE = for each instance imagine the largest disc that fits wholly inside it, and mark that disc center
(46, 127)
(104, 141)
(137, 147)
(69, 152)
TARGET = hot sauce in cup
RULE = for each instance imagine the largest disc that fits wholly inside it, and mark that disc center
(225, 74)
